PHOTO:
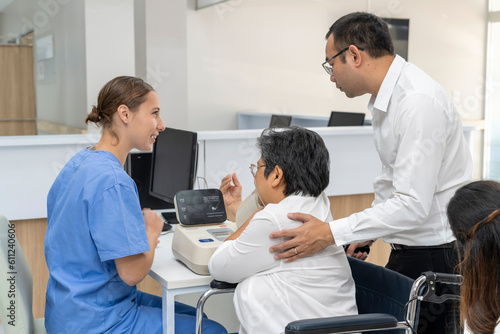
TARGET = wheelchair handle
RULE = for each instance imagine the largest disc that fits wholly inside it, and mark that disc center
(431, 279)
(443, 278)
(442, 298)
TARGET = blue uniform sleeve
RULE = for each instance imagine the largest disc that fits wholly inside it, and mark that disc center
(117, 224)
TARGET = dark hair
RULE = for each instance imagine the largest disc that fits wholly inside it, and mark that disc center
(363, 30)
(474, 216)
(301, 154)
(130, 91)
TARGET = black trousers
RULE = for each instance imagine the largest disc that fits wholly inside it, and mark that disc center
(434, 318)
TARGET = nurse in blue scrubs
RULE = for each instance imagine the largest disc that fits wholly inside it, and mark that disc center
(99, 243)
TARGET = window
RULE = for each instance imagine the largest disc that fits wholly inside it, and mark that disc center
(492, 107)
(494, 5)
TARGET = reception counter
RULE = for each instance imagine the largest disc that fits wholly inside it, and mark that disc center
(29, 164)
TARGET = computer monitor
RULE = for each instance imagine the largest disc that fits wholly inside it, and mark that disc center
(138, 166)
(340, 118)
(280, 121)
(400, 31)
(173, 164)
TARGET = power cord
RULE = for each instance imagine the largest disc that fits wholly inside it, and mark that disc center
(404, 312)
(204, 181)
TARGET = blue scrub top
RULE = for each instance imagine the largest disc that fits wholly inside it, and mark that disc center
(94, 217)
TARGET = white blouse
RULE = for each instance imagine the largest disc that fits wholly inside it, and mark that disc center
(468, 331)
(271, 293)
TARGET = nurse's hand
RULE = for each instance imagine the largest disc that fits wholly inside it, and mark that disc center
(154, 223)
(313, 236)
(133, 268)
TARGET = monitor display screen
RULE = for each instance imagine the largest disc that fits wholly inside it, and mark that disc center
(138, 166)
(341, 118)
(173, 164)
(400, 31)
(280, 121)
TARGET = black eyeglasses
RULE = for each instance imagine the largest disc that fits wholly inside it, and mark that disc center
(326, 65)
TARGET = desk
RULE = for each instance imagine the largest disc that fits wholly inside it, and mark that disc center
(175, 279)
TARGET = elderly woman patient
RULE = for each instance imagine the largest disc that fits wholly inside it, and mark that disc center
(290, 176)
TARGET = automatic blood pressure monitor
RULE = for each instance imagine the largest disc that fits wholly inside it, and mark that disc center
(203, 226)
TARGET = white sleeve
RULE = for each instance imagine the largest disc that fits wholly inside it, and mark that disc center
(249, 254)
(421, 133)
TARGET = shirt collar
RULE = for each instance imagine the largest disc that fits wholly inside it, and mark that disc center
(381, 100)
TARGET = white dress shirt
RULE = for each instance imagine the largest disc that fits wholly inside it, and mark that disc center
(425, 159)
(272, 293)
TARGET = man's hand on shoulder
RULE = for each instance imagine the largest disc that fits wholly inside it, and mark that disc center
(313, 236)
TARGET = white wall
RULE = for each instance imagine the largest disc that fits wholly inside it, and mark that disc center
(266, 55)
(110, 47)
(166, 57)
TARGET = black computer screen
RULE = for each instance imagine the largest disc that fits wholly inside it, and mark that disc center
(280, 121)
(341, 118)
(400, 31)
(138, 166)
(173, 164)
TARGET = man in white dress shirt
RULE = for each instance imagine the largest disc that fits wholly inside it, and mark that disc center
(425, 159)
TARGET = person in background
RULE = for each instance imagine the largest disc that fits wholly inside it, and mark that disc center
(99, 244)
(474, 216)
(292, 173)
(425, 159)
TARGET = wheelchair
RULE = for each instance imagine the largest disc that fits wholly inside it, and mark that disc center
(386, 301)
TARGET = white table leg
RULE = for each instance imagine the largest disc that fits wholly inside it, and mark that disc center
(168, 311)
(168, 305)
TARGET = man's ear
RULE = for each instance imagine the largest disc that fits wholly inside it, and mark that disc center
(124, 113)
(277, 176)
(356, 55)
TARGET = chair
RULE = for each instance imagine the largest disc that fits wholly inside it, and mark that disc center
(16, 289)
(386, 300)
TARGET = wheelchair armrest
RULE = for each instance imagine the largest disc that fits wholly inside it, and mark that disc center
(342, 324)
(215, 284)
